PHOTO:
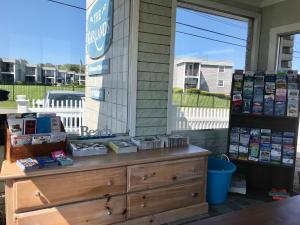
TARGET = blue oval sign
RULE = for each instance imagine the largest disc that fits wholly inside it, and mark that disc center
(99, 28)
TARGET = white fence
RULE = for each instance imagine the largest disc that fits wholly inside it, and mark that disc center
(70, 112)
(189, 118)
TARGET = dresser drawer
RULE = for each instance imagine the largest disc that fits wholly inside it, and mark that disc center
(104, 211)
(153, 175)
(52, 190)
(163, 199)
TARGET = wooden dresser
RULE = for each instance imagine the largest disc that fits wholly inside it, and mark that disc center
(148, 187)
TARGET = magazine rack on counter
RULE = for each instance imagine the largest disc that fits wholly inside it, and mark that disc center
(13, 153)
(261, 177)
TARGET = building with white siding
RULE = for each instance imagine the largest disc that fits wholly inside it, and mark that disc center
(206, 75)
(14, 70)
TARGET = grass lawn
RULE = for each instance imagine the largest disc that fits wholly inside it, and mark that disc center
(8, 104)
(195, 100)
(38, 92)
(31, 92)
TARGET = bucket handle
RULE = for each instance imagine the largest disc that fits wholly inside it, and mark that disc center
(225, 156)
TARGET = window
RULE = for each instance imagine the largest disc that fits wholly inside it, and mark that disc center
(190, 83)
(288, 56)
(209, 46)
(220, 83)
(192, 69)
(221, 69)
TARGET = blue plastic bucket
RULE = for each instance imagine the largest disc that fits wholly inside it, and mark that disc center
(218, 180)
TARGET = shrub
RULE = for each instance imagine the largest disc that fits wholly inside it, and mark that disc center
(19, 82)
(178, 90)
(193, 91)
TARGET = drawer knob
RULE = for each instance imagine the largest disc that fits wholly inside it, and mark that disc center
(143, 205)
(37, 194)
(109, 183)
(108, 211)
(144, 177)
(174, 178)
(194, 194)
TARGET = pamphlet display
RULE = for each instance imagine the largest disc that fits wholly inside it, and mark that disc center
(265, 94)
(263, 127)
(31, 135)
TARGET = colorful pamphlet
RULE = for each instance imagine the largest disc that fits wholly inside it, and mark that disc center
(29, 126)
(43, 125)
(122, 146)
(41, 138)
(55, 124)
(19, 140)
(15, 126)
(47, 162)
(28, 164)
(58, 137)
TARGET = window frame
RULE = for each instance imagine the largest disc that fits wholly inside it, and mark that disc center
(223, 85)
(216, 8)
(223, 69)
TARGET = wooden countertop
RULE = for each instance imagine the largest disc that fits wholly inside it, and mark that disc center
(12, 171)
(276, 213)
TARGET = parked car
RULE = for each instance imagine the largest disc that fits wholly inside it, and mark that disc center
(62, 97)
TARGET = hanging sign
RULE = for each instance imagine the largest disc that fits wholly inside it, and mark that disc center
(99, 67)
(99, 28)
(98, 94)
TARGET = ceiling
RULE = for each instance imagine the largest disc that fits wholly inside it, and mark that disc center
(259, 3)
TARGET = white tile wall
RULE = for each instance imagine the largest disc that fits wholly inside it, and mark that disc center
(112, 112)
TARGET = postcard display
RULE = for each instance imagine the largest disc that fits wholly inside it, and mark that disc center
(29, 135)
(263, 128)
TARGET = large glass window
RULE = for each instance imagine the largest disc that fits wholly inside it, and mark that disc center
(211, 46)
(36, 36)
(288, 57)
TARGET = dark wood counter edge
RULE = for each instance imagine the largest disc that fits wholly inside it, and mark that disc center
(11, 171)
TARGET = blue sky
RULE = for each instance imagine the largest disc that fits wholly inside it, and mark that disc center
(296, 61)
(41, 31)
(207, 49)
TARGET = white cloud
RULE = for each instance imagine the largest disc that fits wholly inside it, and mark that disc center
(216, 52)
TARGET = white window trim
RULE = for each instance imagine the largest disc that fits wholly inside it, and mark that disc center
(218, 8)
(133, 64)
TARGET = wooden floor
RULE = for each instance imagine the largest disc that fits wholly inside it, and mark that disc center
(284, 212)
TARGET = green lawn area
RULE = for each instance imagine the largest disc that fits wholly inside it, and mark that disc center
(195, 100)
(31, 92)
(38, 92)
(8, 104)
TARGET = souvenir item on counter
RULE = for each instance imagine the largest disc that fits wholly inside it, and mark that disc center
(40, 138)
(88, 148)
(122, 146)
(43, 125)
(47, 162)
(144, 143)
(58, 137)
(29, 126)
(16, 126)
(62, 159)
(19, 140)
(55, 124)
(28, 164)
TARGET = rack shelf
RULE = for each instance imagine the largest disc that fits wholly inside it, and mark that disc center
(264, 176)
